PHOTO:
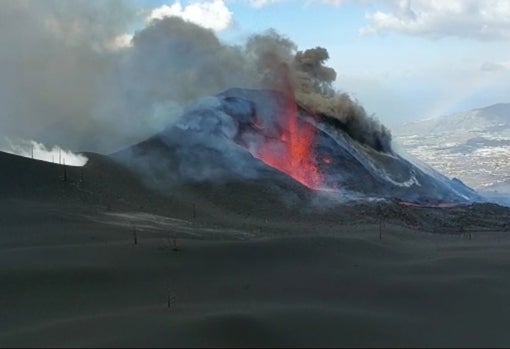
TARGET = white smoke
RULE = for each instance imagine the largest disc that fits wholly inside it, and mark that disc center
(85, 84)
(38, 151)
(199, 147)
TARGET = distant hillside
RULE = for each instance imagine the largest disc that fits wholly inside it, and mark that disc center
(473, 145)
(492, 119)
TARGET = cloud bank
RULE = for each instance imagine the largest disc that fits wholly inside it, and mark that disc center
(213, 15)
(467, 19)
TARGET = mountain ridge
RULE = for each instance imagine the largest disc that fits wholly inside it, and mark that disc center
(498, 113)
(473, 145)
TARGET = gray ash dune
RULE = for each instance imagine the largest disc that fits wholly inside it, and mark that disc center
(105, 185)
(100, 185)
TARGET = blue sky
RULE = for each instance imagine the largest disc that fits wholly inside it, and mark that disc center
(403, 60)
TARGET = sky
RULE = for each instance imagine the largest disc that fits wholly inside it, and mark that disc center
(98, 75)
(402, 60)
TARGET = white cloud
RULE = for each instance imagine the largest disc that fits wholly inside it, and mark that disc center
(262, 3)
(495, 67)
(333, 2)
(213, 15)
(121, 42)
(474, 19)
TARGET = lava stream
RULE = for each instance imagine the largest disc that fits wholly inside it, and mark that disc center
(293, 153)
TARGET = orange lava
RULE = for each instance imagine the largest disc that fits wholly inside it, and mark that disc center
(293, 153)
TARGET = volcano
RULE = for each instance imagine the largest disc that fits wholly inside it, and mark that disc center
(88, 253)
(246, 135)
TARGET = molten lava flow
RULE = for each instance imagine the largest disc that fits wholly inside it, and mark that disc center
(293, 153)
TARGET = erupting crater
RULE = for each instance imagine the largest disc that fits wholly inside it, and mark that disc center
(293, 151)
(238, 134)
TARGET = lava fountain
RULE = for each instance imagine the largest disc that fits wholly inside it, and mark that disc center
(293, 151)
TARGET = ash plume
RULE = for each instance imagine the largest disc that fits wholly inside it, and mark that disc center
(53, 57)
(315, 92)
(280, 64)
(66, 83)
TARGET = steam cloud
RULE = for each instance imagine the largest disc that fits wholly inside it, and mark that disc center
(65, 82)
(38, 151)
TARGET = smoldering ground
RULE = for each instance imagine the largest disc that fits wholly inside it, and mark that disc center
(65, 81)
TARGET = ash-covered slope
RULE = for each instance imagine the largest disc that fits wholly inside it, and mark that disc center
(227, 138)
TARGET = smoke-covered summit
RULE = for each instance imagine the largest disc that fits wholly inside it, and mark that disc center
(66, 83)
(246, 135)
